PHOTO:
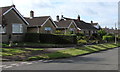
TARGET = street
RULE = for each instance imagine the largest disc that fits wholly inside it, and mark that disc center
(104, 60)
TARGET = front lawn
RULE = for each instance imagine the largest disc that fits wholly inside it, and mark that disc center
(19, 53)
(74, 51)
(24, 54)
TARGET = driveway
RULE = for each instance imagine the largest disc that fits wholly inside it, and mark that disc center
(105, 60)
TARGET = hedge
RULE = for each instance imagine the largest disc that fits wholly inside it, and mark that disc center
(50, 38)
(31, 37)
(108, 38)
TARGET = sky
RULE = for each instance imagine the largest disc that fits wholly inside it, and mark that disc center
(105, 12)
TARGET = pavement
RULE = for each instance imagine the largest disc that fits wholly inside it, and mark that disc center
(104, 60)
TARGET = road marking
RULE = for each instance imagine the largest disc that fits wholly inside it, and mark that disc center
(8, 66)
(15, 64)
(29, 63)
(3, 65)
(20, 64)
(23, 62)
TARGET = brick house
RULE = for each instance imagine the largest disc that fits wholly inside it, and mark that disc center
(81, 25)
(111, 31)
(96, 25)
(13, 26)
(65, 26)
(43, 24)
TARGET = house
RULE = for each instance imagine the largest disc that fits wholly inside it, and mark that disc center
(96, 25)
(65, 26)
(13, 26)
(82, 26)
(110, 31)
(43, 24)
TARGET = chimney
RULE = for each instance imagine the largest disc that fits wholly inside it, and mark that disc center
(78, 17)
(57, 17)
(13, 5)
(31, 14)
(91, 22)
(61, 16)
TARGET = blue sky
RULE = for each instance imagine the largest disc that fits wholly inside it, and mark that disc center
(105, 12)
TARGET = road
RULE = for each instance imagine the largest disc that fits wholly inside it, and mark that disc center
(105, 60)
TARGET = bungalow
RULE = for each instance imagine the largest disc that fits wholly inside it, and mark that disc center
(43, 24)
(96, 25)
(83, 26)
(65, 26)
(12, 24)
(110, 31)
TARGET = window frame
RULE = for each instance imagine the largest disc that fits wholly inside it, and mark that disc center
(20, 28)
(50, 29)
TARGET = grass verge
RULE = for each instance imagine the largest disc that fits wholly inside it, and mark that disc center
(74, 51)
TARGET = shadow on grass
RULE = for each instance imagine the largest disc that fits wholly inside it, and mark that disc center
(95, 48)
(87, 49)
(47, 56)
(103, 46)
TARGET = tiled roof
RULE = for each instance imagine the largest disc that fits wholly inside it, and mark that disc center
(81, 24)
(4, 9)
(63, 23)
(84, 25)
(36, 21)
(94, 23)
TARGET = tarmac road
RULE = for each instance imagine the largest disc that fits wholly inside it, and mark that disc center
(105, 60)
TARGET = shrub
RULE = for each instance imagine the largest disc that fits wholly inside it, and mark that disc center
(31, 37)
(4, 45)
(82, 42)
(102, 32)
(108, 38)
(80, 34)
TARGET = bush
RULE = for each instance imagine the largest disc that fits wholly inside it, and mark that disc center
(82, 42)
(80, 34)
(108, 38)
(4, 45)
(31, 37)
(102, 32)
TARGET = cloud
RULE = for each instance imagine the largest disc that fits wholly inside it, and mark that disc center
(102, 11)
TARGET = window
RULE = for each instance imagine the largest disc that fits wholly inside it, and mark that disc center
(48, 29)
(71, 29)
(17, 28)
(2, 30)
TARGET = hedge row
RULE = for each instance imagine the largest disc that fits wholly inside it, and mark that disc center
(50, 38)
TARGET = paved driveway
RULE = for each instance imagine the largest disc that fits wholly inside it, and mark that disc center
(105, 60)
